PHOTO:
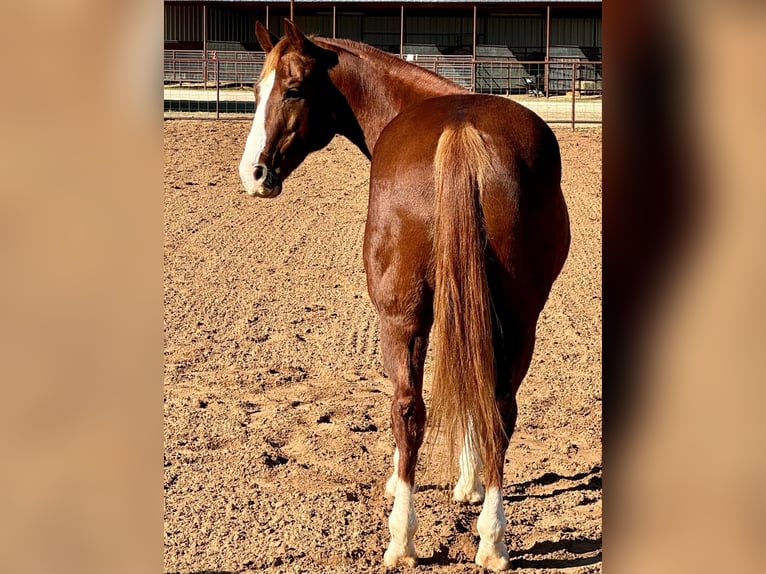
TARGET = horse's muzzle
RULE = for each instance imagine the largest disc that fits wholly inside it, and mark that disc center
(266, 182)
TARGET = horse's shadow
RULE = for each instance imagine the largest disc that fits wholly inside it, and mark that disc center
(593, 483)
(538, 555)
(539, 552)
(542, 549)
(521, 559)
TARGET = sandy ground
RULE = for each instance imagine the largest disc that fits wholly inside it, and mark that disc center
(277, 432)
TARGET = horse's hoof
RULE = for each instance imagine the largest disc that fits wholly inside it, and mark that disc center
(468, 495)
(493, 562)
(393, 560)
(498, 560)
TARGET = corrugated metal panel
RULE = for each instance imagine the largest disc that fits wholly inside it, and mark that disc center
(225, 25)
(183, 23)
(350, 26)
(576, 31)
(452, 31)
(518, 31)
(597, 35)
(319, 24)
(382, 32)
(433, 24)
(381, 24)
(361, 3)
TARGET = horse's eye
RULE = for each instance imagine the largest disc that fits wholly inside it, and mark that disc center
(293, 93)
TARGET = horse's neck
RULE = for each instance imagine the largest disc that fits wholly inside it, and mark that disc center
(376, 93)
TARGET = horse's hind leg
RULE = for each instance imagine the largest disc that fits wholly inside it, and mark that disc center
(492, 552)
(404, 354)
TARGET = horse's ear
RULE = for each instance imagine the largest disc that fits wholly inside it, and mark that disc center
(265, 38)
(302, 44)
(295, 36)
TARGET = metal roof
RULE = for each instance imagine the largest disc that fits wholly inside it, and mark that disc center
(431, 3)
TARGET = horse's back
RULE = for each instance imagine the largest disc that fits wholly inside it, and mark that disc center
(513, 134)
(524, 212)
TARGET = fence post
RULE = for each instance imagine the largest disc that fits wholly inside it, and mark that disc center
(573, 95)
(217, 86)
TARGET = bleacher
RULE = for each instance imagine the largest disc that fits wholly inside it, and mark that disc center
(453, 67)
(502, 73)
(587, 76)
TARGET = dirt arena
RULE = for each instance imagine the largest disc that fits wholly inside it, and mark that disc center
(277, 431)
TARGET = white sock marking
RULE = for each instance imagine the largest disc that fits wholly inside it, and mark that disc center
(256, 139)
(492, 552)
(469, 487)
(402, 523)
(394, 478)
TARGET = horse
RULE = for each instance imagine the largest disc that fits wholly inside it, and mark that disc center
(466, 231)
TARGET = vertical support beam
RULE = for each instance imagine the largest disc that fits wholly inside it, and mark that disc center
(401, 31)
(473, 52)
(292, 10)
(334, 21)
(573, 95)
(547, 46)
(267, 16)
(217, 88)
(204, 45)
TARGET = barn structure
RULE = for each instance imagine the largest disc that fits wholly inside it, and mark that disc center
(449, 36)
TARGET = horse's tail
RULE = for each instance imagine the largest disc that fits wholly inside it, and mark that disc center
(463, 392)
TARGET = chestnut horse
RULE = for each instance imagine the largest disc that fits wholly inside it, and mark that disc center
(466, 232)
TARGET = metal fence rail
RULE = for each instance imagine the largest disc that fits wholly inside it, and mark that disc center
(190, 67)
(221, 83)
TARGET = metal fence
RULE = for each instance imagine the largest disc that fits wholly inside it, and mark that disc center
(220, 85)
(229, 68)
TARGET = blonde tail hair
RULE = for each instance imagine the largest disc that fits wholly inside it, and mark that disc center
(463, 391)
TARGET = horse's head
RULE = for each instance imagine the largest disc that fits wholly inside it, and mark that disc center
(294, 110)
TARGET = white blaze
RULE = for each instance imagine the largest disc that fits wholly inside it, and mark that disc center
(256, 140)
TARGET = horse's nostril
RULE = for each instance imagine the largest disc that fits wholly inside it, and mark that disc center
(259, 173)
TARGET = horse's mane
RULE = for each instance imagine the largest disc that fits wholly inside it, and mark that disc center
(391, 62)
(358, 49)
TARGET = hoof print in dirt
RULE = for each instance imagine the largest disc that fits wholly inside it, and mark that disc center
(367, 428)
(272, 460)
(324, 419)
